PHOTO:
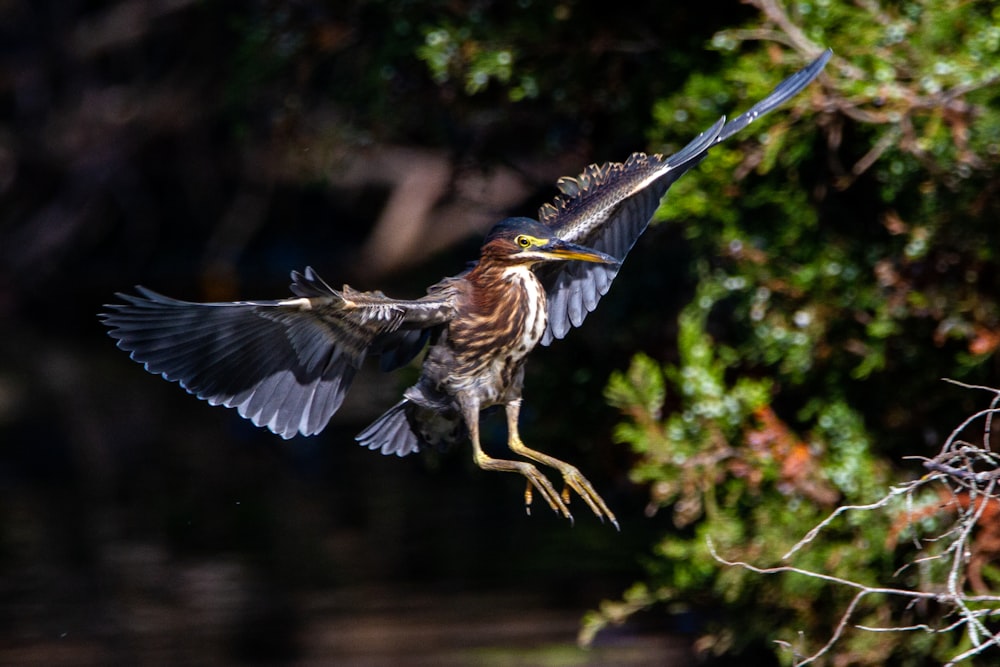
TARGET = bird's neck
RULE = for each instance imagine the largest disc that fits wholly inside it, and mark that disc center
(495, 283)
(504, 316)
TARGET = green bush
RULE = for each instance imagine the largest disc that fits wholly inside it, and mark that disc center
(853, 262)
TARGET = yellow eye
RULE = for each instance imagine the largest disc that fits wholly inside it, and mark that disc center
(523, 241)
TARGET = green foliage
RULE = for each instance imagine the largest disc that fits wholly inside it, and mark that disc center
(737, 478)
(742, 484)
(452, 53)
(851, 269)
(880, 258)
(490, 82)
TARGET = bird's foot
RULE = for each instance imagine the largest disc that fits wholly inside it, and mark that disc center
(573, 479)
(558, 502)
(536, 480)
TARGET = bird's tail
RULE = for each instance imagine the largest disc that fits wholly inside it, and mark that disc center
(412, 425)
(393, 432)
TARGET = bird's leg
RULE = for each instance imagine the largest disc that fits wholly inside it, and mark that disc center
(534, 477)
(571, 475)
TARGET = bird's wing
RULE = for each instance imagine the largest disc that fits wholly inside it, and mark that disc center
(608, 207)
(284, 364)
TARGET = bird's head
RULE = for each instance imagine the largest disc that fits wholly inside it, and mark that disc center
(526, 241)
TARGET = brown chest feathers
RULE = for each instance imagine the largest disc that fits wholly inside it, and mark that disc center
(502, 318)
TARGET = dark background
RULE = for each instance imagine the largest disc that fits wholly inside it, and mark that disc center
(193, 147)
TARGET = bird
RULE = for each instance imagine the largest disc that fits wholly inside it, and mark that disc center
(286, 364)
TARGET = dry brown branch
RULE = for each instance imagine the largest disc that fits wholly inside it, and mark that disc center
(968, 474)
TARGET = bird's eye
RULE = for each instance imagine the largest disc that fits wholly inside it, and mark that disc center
(523, 241)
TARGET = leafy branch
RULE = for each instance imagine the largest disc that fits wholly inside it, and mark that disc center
(966, 474)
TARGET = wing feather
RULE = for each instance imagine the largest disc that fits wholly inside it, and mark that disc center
(607, 207)
(285, 364)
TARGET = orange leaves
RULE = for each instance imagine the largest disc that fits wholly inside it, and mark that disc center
(798, 465)
(984, 341)
(985, 545)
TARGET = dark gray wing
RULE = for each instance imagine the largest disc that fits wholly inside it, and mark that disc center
(284, 364)
(608, 207)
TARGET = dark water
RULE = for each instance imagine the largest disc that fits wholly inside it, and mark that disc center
(139, 526)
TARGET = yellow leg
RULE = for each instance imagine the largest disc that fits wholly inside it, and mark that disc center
(530, 472)
(572, 477)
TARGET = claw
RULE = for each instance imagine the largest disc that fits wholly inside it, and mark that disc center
(572, 479)
(585, 490)
(530, 472)
(544, 486)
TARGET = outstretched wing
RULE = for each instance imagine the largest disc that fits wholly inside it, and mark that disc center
(284, 364)
(608, 207)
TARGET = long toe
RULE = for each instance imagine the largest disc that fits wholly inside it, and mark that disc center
(582, 486)
(544, 486)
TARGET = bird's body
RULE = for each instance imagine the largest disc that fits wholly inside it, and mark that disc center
(487, 342)
(480, 352)
(286, 364)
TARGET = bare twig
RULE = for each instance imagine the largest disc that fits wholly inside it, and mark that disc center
(811, 535)
(970, 474)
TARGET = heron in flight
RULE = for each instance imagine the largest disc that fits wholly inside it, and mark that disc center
(286, 364)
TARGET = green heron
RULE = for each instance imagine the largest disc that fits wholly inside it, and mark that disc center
(286, 364)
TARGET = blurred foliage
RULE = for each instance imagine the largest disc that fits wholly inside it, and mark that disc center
(856, 270)
(851, 276)
(740, 483)
(843, 270)
(437, 72)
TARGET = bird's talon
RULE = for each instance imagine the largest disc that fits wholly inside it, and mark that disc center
(565, 494)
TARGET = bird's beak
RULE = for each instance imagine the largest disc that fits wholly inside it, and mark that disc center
(558, 249)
